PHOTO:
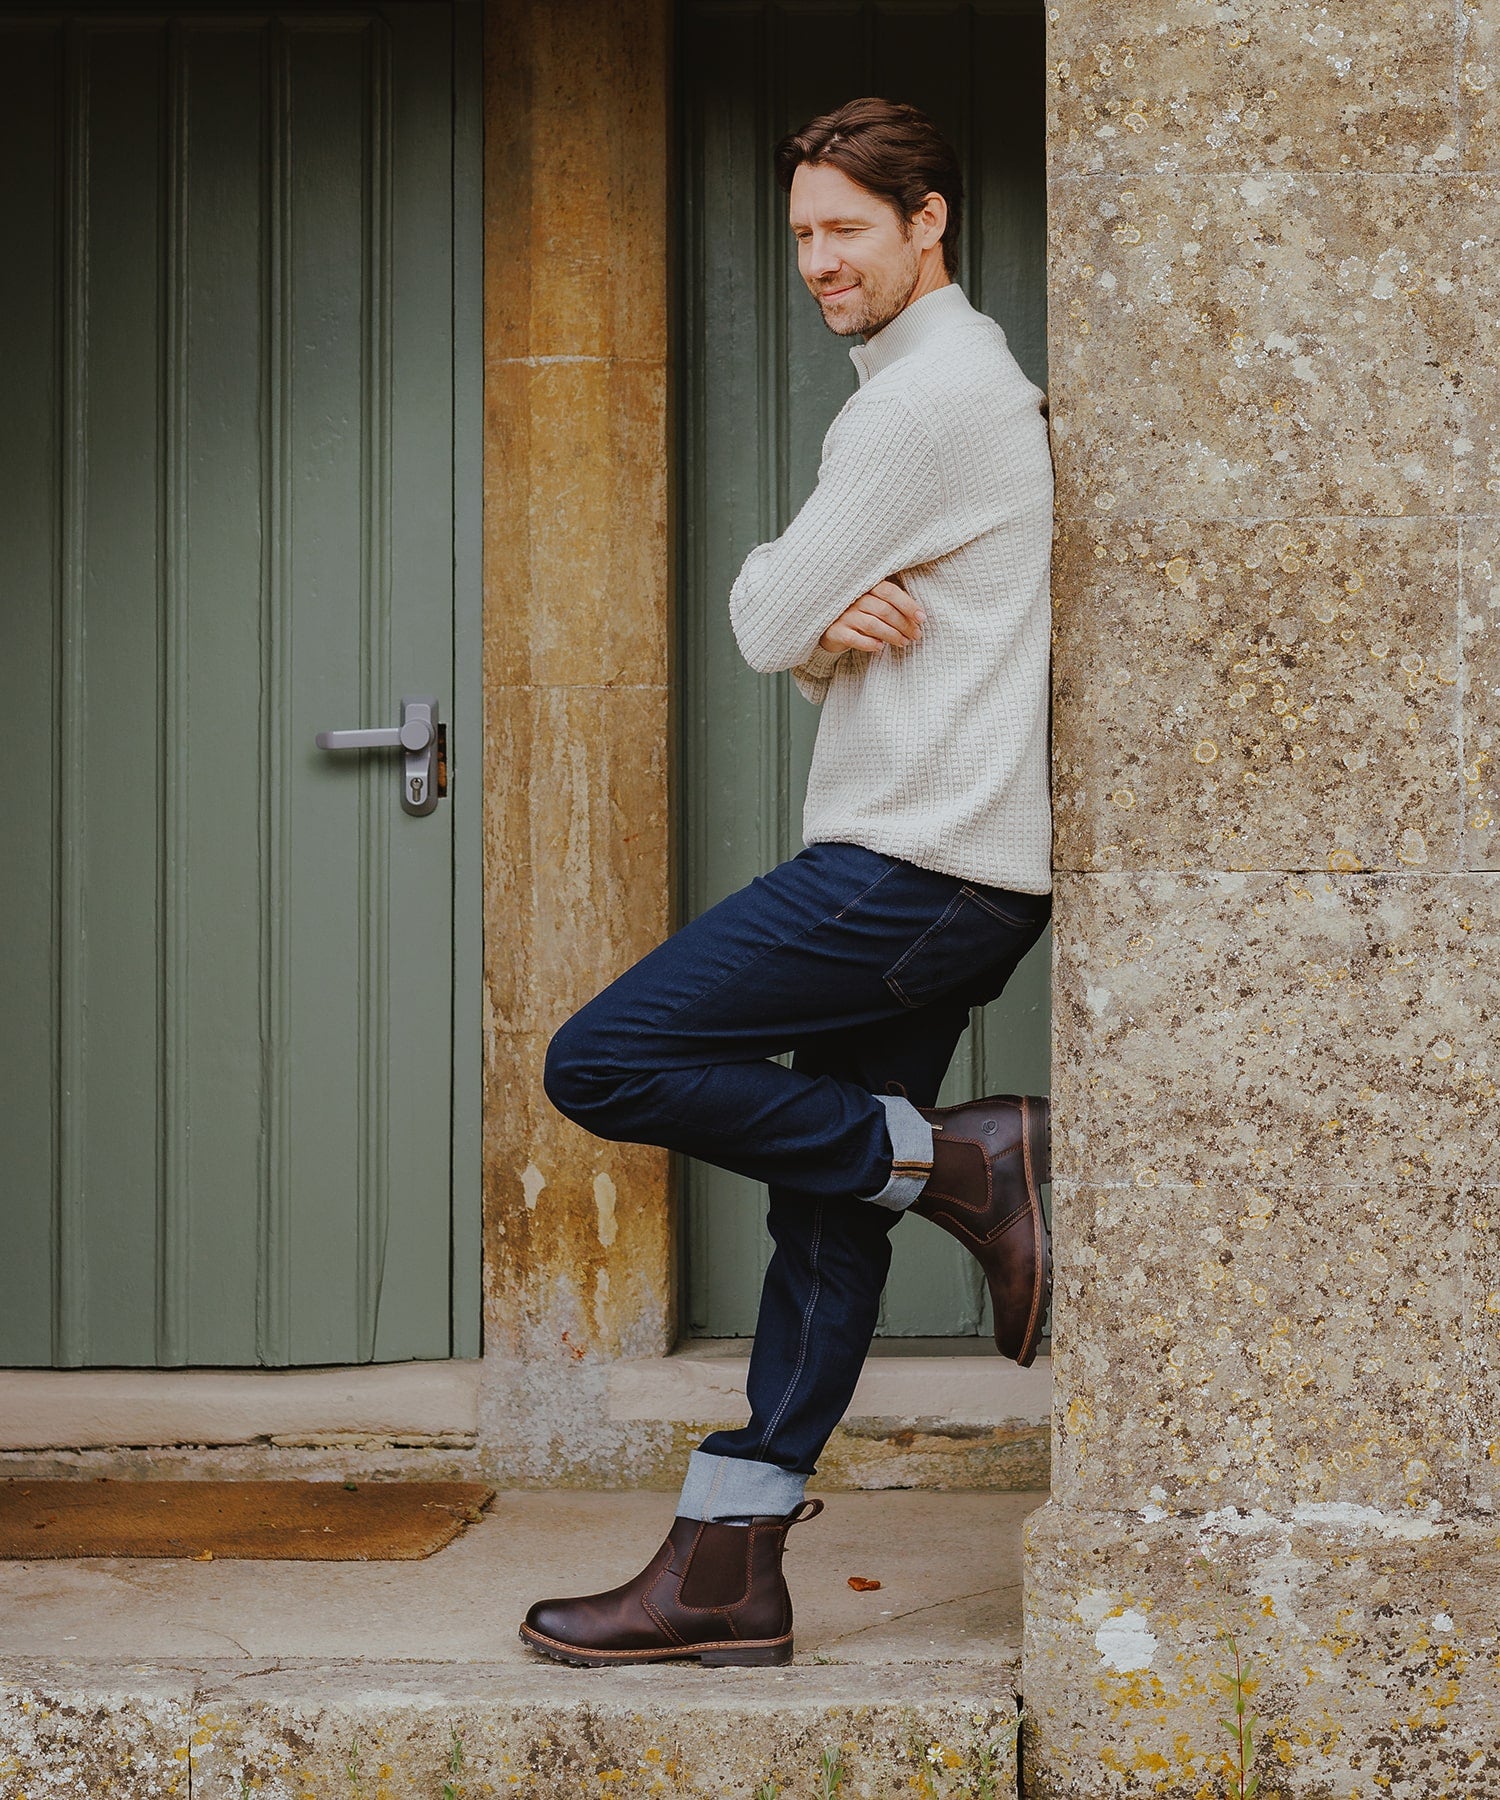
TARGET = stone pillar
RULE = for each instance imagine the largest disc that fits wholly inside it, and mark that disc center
(1275, 407)
(579, 1240)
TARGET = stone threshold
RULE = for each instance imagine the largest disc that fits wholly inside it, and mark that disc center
(85, 1409)
(222, 1730)
(903, 1378)
(436, 1404)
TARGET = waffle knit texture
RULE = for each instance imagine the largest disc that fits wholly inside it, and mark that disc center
(937, 474)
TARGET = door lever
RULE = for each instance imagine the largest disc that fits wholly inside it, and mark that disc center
(424, 772)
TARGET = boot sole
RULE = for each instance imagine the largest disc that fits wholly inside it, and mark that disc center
(759, 1653)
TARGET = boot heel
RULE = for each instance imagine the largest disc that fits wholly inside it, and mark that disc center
(1039, 1128)
(748, 1656)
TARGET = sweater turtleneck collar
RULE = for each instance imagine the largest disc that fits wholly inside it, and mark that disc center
(912, 326)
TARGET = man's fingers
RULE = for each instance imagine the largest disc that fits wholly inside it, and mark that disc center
(895, 595)
(885, 615)
(872, 607)
(887, 630)
(852, 637)
(840, 637)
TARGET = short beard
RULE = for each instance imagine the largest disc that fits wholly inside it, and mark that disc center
(879, 305)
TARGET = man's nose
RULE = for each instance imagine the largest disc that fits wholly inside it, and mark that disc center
(824, 258)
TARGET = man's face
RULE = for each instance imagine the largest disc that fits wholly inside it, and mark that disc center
(852, 251)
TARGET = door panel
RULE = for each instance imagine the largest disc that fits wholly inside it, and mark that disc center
(762, 379)
(227, 1011)
(30, 113)
(215, 638)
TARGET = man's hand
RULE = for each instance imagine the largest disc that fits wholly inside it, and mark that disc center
(886, 615)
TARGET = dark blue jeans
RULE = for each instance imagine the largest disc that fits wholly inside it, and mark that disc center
(865, 967)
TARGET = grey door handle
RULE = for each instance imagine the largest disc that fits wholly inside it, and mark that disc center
(424, 767)
(415, 734)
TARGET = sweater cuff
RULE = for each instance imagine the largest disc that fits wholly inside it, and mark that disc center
(815, 673)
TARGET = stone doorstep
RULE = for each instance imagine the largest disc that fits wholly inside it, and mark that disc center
(220, 1729)
(115, 1677)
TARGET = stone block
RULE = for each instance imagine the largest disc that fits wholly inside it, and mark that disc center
(67, 1730)
(1257, 84)
(575, 845)
(1258, 696)
(581, 1247)
(576, 524)
(1364, 1645)
(1273, 344)
(576, 205)
(1260, 1346)
(1328, 1030)
(550, 1734)
(579, 1233)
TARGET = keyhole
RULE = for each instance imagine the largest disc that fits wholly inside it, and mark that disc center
(415, 786)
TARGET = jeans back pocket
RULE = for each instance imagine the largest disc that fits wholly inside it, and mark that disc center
(971, 942)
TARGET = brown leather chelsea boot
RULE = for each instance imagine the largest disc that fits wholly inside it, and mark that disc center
(989, 1160)
(712, 1592)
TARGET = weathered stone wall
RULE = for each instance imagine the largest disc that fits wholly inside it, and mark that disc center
(1275, 409)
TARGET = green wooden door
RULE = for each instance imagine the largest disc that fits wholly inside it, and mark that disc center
(237, 467)
(762, 380)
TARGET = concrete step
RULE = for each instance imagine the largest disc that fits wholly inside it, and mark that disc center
(221, 1730)
(300, 1681)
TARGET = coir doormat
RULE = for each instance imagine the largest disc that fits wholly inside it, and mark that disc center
(303, 1521)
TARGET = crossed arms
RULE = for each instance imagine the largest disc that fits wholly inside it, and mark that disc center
(826, 585)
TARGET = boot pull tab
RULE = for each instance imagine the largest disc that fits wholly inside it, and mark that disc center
(897, 1087)
(806, 1509)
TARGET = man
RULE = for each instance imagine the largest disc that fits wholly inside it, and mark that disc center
(910, 598)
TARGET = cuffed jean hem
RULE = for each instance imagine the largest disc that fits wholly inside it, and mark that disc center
(911, 1153)
(733, 1487)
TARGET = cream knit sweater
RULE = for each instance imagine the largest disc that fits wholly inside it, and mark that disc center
(935, 473)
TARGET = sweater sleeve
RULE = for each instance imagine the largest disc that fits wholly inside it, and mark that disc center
(875, 511)
(814, 675)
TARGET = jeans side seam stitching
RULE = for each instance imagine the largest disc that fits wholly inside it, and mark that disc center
(711, 1499)
(807, 1313)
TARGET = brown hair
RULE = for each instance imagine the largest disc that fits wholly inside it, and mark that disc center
(893, 150)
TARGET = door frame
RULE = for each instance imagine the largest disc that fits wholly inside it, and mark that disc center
(466, 749)
(981, 1062)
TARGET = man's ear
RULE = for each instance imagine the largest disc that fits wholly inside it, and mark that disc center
(930, 221)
